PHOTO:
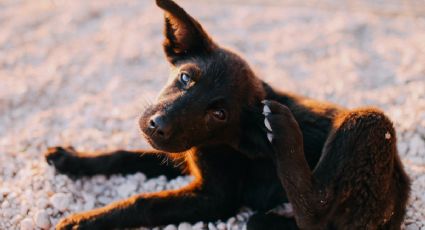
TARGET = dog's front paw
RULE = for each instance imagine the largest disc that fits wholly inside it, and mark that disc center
(67, 224)
(74, 222)
(61, 158)
(282, 128)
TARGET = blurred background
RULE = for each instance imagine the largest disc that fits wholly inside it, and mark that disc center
(80, 72)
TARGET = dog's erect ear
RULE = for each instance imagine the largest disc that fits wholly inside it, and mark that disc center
(184, 36)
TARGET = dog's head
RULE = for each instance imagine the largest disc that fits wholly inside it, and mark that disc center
(207, 90)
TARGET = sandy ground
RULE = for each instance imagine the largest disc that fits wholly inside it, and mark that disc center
(78, 73)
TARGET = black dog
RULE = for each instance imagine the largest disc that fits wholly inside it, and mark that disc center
(247, 144)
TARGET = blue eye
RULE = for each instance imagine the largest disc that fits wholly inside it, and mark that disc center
(185, 79)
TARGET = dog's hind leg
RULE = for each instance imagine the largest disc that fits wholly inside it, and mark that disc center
(151, 163)
(261, 221)
(359, 182)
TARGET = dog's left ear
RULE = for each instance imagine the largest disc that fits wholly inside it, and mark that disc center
(184, 36)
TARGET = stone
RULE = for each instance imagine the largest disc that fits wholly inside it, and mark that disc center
(412, 226)
(185, 226)
(27, 224)
(170, 227)
(60, 201)
(221, 226)
(126, 189)
(198, 226)
(42, 219)
(211, 226)
(42, 203)
(89, 201)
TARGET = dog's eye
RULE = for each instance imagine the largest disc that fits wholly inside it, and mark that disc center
(185, 79)
(220, 114)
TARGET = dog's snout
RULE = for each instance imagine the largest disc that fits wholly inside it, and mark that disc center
(159, 127)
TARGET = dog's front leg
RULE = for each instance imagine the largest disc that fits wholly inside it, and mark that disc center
(309, 200)
(187, 204)
(151, 162)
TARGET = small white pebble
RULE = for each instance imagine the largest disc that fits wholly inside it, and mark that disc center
(126, 189)
(89, 201)
(60, 201)
(42, 219)
(246, 215)
(4, 191)
(24, 209)
(185, 226)
(221, 226)
(231, 221)
(104, 200)
(211, 226)
(170, 227)
(100, 179)
(27, 224)
(149, 185)
(5, 204)
(16, 219)
(49, 211)
(7, 213)
(139, 177)
(412, 226)
(198, 226)
(240, 218)
(42, 203)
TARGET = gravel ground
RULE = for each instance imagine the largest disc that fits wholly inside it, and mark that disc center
(78, 73)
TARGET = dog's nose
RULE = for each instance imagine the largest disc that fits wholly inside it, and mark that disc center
(159, 126)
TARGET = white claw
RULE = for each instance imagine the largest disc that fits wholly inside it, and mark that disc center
(270, 137)
(284, 209)
(267, 124)
(266, 110)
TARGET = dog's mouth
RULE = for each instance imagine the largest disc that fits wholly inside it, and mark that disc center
(167, 146)
(173, 143)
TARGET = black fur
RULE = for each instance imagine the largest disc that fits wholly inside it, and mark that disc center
(338, 168)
